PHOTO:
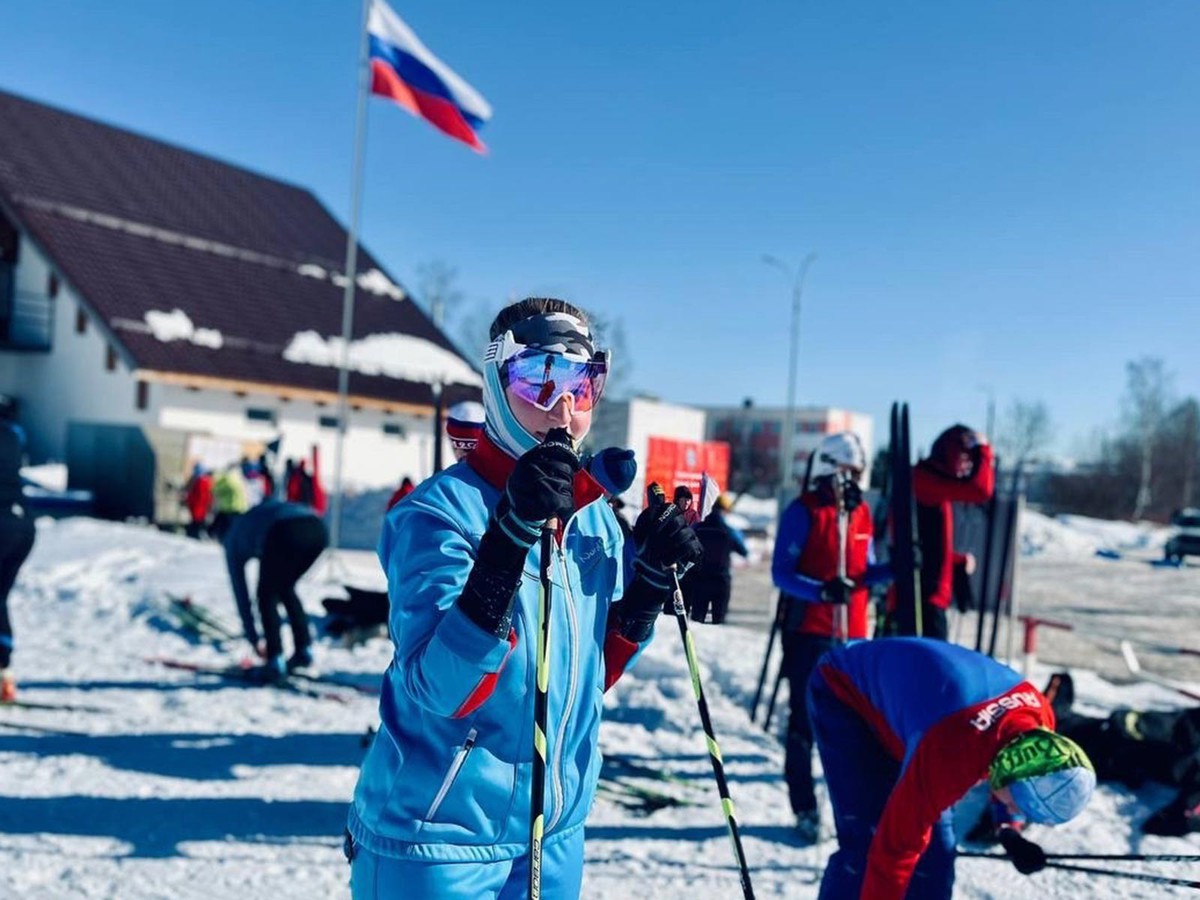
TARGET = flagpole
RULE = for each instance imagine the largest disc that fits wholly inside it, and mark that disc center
(351, 271)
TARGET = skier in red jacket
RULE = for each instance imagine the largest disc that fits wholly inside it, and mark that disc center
(959, 469)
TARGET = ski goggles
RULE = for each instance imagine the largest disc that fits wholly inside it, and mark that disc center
(542, 378)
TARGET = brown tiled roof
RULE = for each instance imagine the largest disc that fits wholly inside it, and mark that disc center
(136, 225)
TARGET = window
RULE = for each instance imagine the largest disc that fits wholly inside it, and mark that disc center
(80, 321)
(143, 394)
(110, 358)
(258, 414)
(393, 428)
(52, 286)
(328, 422)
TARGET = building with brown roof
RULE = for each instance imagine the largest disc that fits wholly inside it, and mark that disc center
(153, 295)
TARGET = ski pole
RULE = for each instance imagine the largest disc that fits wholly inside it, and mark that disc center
(1092, 870)
(1132, 876)
(537, 809)
(779, 676)
(841, 628)
(714, 751)
(1123, 857)
(762, 675)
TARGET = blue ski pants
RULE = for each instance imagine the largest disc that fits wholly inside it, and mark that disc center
(374, 877)
(860, 776)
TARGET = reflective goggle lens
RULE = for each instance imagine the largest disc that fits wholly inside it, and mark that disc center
(542, 378)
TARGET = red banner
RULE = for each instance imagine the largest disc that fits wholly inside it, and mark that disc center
(672, 463)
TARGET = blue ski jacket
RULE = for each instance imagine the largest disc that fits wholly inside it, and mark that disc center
(448, 776)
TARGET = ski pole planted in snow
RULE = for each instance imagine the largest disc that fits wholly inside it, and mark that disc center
(714, 751)
(537, 809)
(776, 626)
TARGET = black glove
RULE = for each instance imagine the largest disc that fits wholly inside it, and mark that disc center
(541, 487)
(663, 540)
(837, 590)
(1027, 856)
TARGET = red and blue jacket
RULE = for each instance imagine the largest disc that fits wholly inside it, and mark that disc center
(806, 556)
(943, 712)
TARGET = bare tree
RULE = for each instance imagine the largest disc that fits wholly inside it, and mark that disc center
(1026, 430)
(437, 286)
(610, 333)
(1147, 387)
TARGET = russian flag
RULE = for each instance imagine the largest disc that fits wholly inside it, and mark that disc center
(403, 70)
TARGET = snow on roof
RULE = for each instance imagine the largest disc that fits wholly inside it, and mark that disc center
(373, 281)
(178, 326)
(394, 355)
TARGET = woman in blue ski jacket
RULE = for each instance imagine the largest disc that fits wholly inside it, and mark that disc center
(442, 805)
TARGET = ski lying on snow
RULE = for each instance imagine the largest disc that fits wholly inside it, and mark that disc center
(198, 618)
(245, 675)
(1135, 668)
(57, 707)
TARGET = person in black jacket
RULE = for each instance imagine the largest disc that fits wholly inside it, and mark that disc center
(712, 583)
(16, 533)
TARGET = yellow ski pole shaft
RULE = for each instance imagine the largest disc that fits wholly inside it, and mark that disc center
(714, 752)
(537, 807)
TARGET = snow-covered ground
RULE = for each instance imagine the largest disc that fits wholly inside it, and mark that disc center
(196, 788)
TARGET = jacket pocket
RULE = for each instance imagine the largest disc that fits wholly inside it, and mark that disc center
(456, 766)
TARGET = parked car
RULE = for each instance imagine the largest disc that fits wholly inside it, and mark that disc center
(1186, 539)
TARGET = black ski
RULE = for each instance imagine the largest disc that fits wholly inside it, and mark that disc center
(905, 552)
(199, 620)
(55, 707)
(246, 675)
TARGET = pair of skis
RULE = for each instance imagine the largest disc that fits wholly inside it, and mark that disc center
(1000, 553)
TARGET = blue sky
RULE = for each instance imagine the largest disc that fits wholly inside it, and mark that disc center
(1002, 193)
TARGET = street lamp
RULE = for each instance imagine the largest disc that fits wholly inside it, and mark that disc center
(797, 278)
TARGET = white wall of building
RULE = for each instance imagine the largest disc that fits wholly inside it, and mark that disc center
(72, 383)
(373, 458)
(631, 424)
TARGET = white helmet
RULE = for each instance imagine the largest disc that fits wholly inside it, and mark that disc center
(843, 450)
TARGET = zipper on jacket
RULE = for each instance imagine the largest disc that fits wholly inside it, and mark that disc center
(456, 765)
(573, 656)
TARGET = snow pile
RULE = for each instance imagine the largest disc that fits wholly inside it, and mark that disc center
(50, 476)
(395, 355)
(1078, 536)
(189, 787)
(1042, 535)
(1119, 536)
(178, 326)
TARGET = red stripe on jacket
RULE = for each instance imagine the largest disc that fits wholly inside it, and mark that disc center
(487, 684)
